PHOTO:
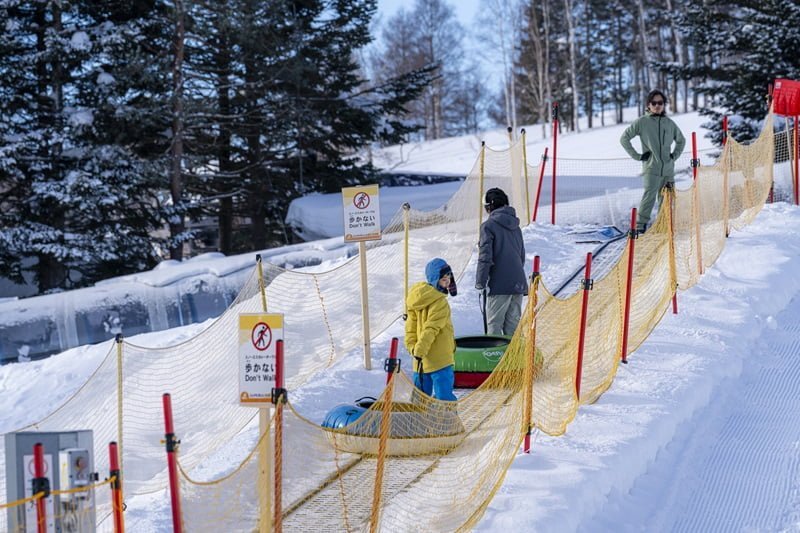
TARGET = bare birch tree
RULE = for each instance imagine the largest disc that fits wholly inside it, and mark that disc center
(573, 63)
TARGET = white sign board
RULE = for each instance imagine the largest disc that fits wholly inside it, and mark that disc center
(30, 507)
(362, 213)
(258, 335)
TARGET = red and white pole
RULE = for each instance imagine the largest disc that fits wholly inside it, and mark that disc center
(116, 487)
(587, 286)
(555, 151)
(628, 287)
(171, 444)
(541, 180)
(40, 484)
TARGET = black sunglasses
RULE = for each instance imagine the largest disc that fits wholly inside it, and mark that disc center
(657, 102)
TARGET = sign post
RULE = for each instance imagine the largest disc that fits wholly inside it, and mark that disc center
(259, 334)
(362, 222)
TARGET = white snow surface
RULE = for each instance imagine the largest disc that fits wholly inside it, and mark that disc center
(699, 432)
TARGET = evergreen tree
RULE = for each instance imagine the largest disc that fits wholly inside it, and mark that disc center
(78, 204)
(739, 47)
(293, 112)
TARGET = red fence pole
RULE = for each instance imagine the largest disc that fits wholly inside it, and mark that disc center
(796, 156)
(632, 234)
(526, 447)
(278, 399)
(40, 484)
(391, 364)
(587, 284)
(116, 487)
(555, 151)
(539, 187)
(171, 444)
(724, 129)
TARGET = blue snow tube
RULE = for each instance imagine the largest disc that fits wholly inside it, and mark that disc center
(345, 414)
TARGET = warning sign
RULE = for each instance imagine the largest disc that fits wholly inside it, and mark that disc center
(362, 214)
(258, 335)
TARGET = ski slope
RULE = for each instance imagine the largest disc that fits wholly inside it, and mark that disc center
(698, 433)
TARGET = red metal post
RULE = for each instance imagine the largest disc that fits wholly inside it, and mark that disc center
(555, 151)
(796, 166)
(38, 473)
(628, 287)
(391, 363)
(279, 364)
(171, 444)
(279, 397)
(587, 286)
(526, 447)
(539, 187)
(116, 487)
(694, 155)
(724, 129)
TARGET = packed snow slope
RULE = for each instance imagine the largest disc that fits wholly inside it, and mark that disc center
(699, 432)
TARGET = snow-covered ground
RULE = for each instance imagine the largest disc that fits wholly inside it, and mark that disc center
(699, 432)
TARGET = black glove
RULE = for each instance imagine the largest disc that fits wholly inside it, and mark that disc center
(645, 156)
(479, 286)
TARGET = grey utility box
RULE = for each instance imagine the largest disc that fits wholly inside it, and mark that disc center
(69, 464)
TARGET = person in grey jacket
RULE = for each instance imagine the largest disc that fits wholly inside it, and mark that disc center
(657, 133)
(501, 264)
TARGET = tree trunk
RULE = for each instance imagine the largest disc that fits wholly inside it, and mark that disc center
(589, 70)
(51, 273)
(176, 224)
(226, 169)
(547, 83)
(573, 69)
(644, 87)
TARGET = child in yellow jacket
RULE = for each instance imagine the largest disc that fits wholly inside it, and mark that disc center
(430, 337)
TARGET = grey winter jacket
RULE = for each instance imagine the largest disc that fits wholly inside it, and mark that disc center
(501, 254)
(656, 133)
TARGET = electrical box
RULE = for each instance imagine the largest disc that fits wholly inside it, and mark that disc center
(69, 464)
(74, 466)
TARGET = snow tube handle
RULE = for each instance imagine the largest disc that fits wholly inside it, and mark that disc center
(365, 398)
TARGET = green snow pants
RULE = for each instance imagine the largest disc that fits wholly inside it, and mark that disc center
(652, 193)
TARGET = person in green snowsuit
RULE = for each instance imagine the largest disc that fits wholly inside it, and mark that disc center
(657, 133)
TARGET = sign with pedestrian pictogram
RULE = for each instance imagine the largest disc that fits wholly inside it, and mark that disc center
(362, 214)
(258, 334)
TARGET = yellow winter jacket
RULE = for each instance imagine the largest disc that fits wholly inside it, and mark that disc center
(429, 328)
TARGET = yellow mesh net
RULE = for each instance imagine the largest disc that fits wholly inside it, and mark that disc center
(72, 510)
(409, 462)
